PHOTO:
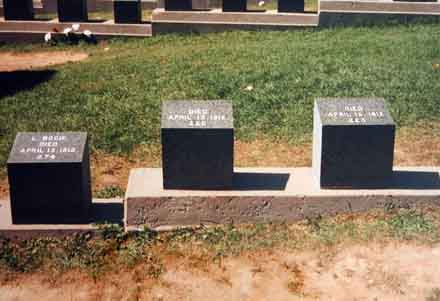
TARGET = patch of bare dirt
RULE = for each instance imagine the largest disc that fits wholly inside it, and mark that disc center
(419, 146)
(10, 61)
(394, 271)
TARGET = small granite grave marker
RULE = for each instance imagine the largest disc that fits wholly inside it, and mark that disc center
(178, 5)
(291, 6)
(197, 144)
(72, 10)
(127, 11)
(353, 143)
(18, 9)
(234, 5)
(49, 178)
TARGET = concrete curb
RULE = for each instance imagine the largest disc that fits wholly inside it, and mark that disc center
(268, 195)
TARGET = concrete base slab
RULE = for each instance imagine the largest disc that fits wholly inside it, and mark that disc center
(368, 13)
(34, 30)
(268, 195)
(426, 8)
(110, 211)
(216, 20)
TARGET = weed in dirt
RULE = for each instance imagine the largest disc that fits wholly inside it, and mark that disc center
(112, 249)
(296, 280)
(409, 224)
(23, 256)
(434, 295)
(330, 232)
(401, 224)
(109, 192)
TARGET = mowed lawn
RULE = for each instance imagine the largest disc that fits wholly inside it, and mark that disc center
(272, 78)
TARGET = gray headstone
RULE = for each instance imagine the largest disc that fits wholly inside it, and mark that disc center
(18, 9)
(234, 5)
(127, 11)
(353, 143)
(197, 144)
(49, 178)
(72, 10)
(291, 6)
(178, 5)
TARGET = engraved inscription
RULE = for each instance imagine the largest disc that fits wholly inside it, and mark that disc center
(47, 147)
(197, 117)
(356, 114)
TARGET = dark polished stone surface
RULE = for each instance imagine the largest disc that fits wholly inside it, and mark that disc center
(49, 178)
(353, 143)
(72, 10)
(291, 6)
(18, 9)
(197, 144)
(178, 5)
(234, 5)
(128, 11)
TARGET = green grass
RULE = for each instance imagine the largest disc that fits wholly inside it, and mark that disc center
(116, 95)
(108, 192)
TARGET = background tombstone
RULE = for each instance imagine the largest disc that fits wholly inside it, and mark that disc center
(353, 143)
(234, 5)
(49, 178)
(291, 6)
(128, 11)
(197, 144)
(72, 10)
(178, 5)
(18, 9)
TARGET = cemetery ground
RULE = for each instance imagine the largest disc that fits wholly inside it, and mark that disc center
(272, 79)
(388, 254)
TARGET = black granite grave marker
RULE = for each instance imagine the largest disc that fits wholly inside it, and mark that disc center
(49, 178)
(128, 11)
(178, 5)
(291, 6)
(353, 143)
(72, 10)
(234, 5)
(197, 144)
(18, 9)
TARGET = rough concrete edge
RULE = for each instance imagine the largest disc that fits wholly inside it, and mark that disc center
(377, 202)
(365, 19)
(169, 28)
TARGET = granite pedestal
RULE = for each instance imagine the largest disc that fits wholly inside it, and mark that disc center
(234, 5)
(20, 10)
(128, 11)
(49, 178)
(178, 5)
(197, 144)
(291, 6)
(72, 10)
(353, 143)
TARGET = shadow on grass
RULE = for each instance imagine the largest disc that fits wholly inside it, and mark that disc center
(17, 81)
